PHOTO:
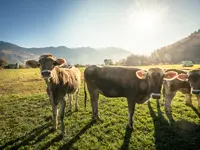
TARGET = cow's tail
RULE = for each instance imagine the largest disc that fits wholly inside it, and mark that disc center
(163, 90)
(85, 94)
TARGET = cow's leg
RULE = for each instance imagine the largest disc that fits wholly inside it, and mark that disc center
(76, 105)
(94, 96)
(54, 111)
(48, 93)
(62, 114)
(168, 100)
(198, 99)
(163, 92)
(70, 101)
(188, 99)
(54, 116)
(131, 109)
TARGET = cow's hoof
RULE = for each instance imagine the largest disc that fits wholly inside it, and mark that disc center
(130, 128)
(168, 112)
(53, 129)
(61, 136)
(98, 118)
(188, 104)
(162, 104)
(95, 117)
(69, 111)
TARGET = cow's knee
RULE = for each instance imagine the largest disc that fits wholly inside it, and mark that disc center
(168, 107)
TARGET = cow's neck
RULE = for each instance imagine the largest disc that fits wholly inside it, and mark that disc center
(55, 80)
(149, 88)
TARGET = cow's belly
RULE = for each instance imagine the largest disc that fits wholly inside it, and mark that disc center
(112, 92)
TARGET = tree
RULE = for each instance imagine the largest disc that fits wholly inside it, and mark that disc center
(108, 62)
(2, 62)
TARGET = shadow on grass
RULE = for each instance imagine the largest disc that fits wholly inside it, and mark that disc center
(24, 140)
(127, 138)
(69, 144)
(195, 110)
(176, 135)
(54, 140)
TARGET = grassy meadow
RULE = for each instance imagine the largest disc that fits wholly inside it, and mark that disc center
(25, 120)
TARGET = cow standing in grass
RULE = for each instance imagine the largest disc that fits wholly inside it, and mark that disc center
(186, 82)
(133, 83)
(60, 81)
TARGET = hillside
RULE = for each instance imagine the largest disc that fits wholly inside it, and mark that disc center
(185, 49)
(82, 55)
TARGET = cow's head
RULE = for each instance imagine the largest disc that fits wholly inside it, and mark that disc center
(193, 77)
(47, 63)
(154, 77)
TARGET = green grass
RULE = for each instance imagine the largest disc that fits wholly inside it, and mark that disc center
(25, 120)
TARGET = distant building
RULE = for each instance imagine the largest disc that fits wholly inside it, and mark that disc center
(12, 66)
(187, 63)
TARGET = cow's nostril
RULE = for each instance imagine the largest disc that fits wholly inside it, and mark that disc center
(46, 73)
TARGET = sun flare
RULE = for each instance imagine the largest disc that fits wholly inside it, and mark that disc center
(143, 21)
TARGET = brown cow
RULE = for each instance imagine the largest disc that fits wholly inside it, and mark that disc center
(132, 83)
(182, 84)
(60, 81)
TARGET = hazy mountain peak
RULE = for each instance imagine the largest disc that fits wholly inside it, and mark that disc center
(79, 55)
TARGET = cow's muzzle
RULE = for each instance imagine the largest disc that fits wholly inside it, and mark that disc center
(195, 91)
(46, 73)
(155, 95)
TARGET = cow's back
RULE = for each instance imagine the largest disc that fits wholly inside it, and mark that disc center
(114, 81)
(71, 79)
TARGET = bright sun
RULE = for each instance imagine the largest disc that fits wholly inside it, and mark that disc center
(143, 21)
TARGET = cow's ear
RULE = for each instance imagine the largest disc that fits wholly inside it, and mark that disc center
(141, 74)
(60, 61)
(170, 75)
(182, 77)
(32, 63)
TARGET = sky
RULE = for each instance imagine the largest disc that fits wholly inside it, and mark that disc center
(140, 26)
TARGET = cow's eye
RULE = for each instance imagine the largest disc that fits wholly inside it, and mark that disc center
(55, 63)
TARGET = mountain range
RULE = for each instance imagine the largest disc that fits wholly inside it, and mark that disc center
(187, 48)
(81, 55)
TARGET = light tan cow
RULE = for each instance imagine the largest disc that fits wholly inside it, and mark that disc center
(187, 83)
(60, 81)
